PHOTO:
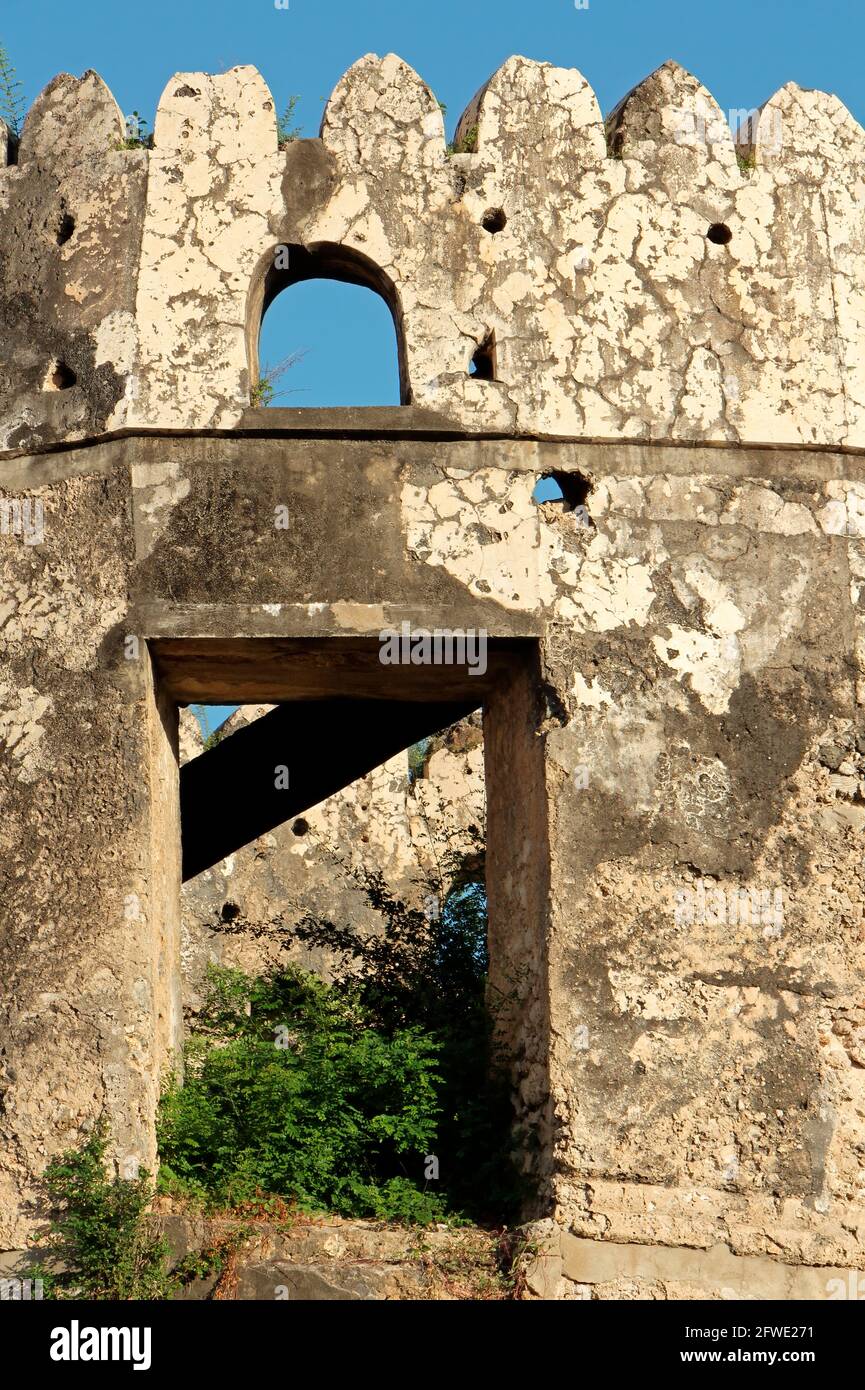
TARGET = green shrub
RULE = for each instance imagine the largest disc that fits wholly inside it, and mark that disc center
(335, 1096)
(290, 1090)
(429, 968)
(97, 1235)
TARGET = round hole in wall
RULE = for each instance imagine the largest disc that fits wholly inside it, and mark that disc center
(494, 220)
(300, 826)
(59, 377)
(63, 377)
(720, 234)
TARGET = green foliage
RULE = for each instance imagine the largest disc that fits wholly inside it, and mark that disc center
(212, 737)
(391, 1063)
(136, 137)
(290, 1090)
(97, 1235)
(416, 758)
(264, 392)
(216, 1258)
(429, 968)
(286, 131)
(12, 103)
(468, 144)
(747, 162)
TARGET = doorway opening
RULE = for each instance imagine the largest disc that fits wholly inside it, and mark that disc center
(454, 949)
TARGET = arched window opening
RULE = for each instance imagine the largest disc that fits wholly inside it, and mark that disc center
(328, 341)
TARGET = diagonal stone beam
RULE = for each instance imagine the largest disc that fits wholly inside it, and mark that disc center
(237, 791)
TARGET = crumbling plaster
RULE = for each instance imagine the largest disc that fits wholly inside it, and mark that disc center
(692, 719)
(614, 316)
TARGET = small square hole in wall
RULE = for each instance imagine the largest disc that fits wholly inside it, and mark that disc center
(65, 228)
(483, 364)
(570, 489)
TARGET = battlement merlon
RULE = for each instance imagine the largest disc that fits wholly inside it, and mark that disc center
(657, 278)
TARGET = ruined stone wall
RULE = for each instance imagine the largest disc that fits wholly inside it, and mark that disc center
(707, 1069)
(89, 950)
(688, 724)
(613, 314)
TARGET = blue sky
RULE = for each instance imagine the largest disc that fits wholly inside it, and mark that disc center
(741, 52)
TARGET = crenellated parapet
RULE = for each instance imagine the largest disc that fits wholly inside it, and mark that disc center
(651, 277)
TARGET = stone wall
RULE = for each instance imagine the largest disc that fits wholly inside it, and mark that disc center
(613, 314)
(90, 840)
(71, 212)
(673, 738)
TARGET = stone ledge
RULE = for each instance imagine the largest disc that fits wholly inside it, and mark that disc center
(598, 1267)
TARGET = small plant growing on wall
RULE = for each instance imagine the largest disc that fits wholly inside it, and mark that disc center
(264, 392)
(12, 104)
(286, 130)
(137, 137)
(467, 145)
(213, 739)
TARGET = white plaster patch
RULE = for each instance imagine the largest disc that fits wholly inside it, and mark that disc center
(844, 513)
(115, 341)
(711, 664)
(21, 729)
(613, 593)
(590, 694)
(462, 525)
(158, 489)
